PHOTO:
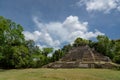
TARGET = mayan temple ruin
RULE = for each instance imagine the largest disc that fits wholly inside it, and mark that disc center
(82, 57)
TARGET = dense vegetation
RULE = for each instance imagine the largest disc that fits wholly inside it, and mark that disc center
(16, 52)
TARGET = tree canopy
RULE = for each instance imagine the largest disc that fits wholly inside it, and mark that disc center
(16, 52)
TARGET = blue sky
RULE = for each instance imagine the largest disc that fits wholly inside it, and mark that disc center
(56, 22)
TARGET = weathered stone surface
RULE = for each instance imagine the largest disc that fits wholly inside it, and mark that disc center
(82, 57)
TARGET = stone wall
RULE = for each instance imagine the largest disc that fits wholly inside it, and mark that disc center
(82, 57)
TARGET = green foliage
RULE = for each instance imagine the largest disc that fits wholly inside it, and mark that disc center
(11, 33)
(105, 46)
(13, 52)
(18, 57)
(117, 51)
(16, 52)
(117, 59)
(46, 51)
(57, 55)
(80, 42)
(66, 48)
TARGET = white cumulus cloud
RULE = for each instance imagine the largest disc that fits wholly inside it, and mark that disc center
(54, 34)
(100, 5)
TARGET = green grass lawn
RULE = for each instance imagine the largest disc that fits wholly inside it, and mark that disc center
(60, 74)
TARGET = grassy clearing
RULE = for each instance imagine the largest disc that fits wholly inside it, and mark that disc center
(60, 74)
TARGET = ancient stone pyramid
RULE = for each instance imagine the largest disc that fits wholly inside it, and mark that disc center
(82, 57)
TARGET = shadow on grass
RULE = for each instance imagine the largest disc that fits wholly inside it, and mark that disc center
(2, 70)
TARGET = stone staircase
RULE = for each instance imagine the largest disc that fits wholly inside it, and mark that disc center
(80, 57)
(99, 57)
